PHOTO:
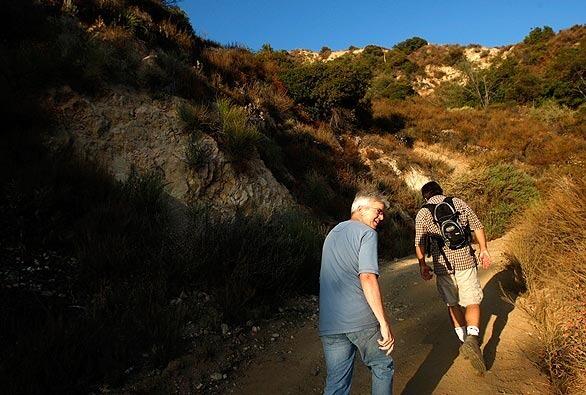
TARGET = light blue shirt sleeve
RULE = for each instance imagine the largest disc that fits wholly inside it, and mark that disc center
(368, 255)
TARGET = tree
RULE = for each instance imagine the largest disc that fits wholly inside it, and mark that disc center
(325, 52)
(539, 34)
(479, 83)
(411, 44)
(266, 47)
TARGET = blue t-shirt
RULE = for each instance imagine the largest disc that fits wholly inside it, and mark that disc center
(349, 249)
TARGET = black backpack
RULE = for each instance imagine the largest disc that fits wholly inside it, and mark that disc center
(453, 234)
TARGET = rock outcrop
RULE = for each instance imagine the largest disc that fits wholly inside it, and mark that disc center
(125, 130)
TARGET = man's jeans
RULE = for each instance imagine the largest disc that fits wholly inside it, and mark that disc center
(339, 353)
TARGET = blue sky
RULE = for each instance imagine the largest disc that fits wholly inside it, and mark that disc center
(313, 24)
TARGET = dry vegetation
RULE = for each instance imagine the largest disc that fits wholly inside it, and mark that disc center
(314, 128)
(550, 247)
(535, 137)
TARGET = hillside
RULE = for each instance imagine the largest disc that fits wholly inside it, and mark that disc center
(158, 187)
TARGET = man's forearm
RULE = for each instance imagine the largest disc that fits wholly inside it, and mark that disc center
(420, 253)
(371, 289)
(481, 238)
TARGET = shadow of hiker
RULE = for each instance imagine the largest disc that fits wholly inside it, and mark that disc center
(439, 360)
(499, 294)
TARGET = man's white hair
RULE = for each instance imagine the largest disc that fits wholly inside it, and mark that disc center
(366, 198)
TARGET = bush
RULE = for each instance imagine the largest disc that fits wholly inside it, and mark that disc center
(454, 56)
(325, 52)
(238, 134)
(497, 194)
(538, 34)
(170, 73)
(388, 87)
(411, 44)
(566, 77)
(198, 152)
(118, 264)
(259, 269)
(323, 87)
(101, 243)
(391, 123)
(553, 114)
(318, 192)
(197, 119)
(549, 245)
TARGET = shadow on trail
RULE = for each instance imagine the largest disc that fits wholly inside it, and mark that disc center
(499, 294)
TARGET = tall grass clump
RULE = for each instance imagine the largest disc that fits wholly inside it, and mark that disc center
(550, 246)
(252, 263)
(496, 193)
(102, 297)
(239, 134)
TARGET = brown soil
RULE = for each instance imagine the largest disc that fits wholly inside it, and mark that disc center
(426, 353)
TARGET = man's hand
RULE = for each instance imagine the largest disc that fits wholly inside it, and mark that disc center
(485, 259)
(425, 272)
(387, 343)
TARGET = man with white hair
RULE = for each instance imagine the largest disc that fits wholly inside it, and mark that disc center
(351, 313)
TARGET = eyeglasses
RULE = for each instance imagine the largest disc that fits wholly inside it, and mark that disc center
(378, 210)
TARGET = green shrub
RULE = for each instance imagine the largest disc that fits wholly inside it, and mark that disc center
(454, 56)
(259, 269)
(566, 77)
(538, 34)
(325, 52)
(323, 87)
(388, 87)
(552, 113)
(318, 192)
(497, 194)
(197, 119)
(198, 152)
(239, 135)
(454, 95)
(411, 44)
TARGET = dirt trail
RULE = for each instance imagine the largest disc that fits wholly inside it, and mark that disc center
(426, 352)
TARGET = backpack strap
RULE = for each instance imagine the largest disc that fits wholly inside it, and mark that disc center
(440, 243)
(450, 200)
(430, 207)
(438, 239)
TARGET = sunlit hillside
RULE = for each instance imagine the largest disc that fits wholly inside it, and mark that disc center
(157, 186)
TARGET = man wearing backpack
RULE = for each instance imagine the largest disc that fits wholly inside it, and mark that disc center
(443, 228)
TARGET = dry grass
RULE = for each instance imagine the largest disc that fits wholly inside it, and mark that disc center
(236, 66)
(514, 134)
(550, 246)
(175, 34)
(322, 134)
(497, 193)
(273, 99)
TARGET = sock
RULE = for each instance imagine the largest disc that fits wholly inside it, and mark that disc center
(460, 333)
(473, 330)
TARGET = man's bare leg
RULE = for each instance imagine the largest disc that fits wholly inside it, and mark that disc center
(458, 320)
(457, 315)
(471, 347)
(473, 315)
